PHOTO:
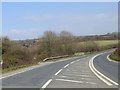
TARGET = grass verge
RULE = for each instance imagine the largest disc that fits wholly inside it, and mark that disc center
(114, 56)
(7, 70)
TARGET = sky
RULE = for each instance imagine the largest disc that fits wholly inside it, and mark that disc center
(28, 20)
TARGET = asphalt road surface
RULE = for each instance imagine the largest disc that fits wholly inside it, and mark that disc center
(72, 73)
(108, 68)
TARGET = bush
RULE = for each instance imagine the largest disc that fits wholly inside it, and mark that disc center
(15, 55)
(91, 46)
(42, 56)
(115, 55)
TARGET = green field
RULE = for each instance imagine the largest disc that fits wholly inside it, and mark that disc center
(106, 42)
(102, 42)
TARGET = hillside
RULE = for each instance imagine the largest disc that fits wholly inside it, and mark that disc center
(98, 38)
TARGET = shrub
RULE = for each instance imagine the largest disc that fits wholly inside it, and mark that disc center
(14, 54)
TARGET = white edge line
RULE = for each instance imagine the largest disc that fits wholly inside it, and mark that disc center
(98, 75)
(104, 75)
(58, 72)
(92, 67)
(66, 65)
(108, 57)
(47, 83)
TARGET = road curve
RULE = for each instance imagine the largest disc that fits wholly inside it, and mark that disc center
(106, 67)
(72, 73)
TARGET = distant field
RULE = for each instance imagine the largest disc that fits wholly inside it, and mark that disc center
(102, 42)
(106, 42)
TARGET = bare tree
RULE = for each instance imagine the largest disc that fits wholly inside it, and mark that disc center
(49, 42)
(67, 40)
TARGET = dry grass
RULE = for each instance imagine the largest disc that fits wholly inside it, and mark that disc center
(102, 42)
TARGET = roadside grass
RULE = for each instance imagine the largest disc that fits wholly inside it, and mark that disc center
(12, 69)
(0, 70)
(114, 56)
(0, 65)
(7, 70)
(0, 45)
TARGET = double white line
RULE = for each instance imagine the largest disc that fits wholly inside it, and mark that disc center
(101, 76)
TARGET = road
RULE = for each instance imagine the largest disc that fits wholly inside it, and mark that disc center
(71, 73)
(109, 69)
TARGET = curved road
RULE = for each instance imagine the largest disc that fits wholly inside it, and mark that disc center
(71, 73)
(108, 68)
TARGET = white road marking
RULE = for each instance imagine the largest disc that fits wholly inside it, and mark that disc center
(91, 67)
(99, 74)
(66, 65)
(58, 72)
(84, 75)
(86, 78)
(110, 59)
(47, 83)
(78, 75)
(72, 70)
(90, 83)
(72, 62)
(63, 76)
(66, 80)
(32, 68)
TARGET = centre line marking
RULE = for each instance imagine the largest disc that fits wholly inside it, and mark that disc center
(66, 80)
(66, 65)
(72, 62)
(99, 74)
(91, 67)
(58, 72)
(47, 83)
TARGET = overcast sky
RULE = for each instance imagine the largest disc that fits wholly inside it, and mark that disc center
(30, 20)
